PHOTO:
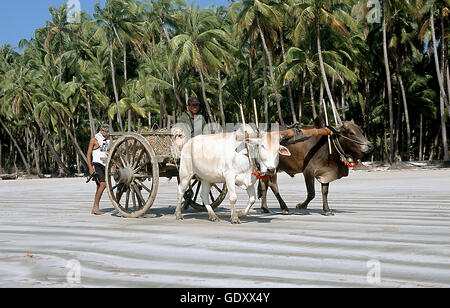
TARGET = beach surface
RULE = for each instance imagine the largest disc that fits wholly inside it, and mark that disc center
(390, 229)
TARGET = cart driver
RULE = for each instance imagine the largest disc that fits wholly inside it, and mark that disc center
(191, 121)
(98, 149)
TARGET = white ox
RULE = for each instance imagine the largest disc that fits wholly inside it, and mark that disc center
(223, 158)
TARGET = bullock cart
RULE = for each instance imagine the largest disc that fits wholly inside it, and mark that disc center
(136, 162)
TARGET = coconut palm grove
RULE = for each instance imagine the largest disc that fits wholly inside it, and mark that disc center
(133, 64)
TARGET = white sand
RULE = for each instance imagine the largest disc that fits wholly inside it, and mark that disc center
(399, 220)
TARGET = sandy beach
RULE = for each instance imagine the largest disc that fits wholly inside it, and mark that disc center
(391, 229)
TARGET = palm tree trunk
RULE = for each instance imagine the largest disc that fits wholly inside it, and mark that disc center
(389, 89)
(421, 137)
(205, 99)
(177, 97)
(1, 159)
(25, 163)
(60, 57)
(74, 140)
(91, 119)
(405, 107)
(113, 76)
(250, 73)
(322, 70)
(445, 71)
(435, 52)
(443, 96)
(222, 113)
(320, 96)
(302, 96)
(448, 82)
(125, 77)
(313, 103)
(343, 100)
(272, 77)
(266, 98)
(62, 168)
(291, 98)
(36, 154)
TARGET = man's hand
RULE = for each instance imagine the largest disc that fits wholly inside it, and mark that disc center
(91, 170)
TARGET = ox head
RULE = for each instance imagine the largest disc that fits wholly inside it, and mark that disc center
(353, 141)
(266, 151)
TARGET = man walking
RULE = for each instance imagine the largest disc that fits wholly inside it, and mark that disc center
(98, 149)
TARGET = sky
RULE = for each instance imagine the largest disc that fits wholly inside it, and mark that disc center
(20, 18)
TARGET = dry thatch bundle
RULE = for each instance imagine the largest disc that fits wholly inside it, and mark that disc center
(161, 142)
(166, 144)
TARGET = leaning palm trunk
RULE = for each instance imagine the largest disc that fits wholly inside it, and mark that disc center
(443, 96)
(25, 163)
(405, 107)
(288, 84)
(72, 137)
(62, 168)
(313, 103)
(272, 78)
(113, 76)
(435, 52)
(222, 113)
(205, 99)
(324, 75)
(91, 118)
(35, 153)
(389, 89)
(266, 99)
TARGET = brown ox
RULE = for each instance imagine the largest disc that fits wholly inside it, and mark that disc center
(312, 158)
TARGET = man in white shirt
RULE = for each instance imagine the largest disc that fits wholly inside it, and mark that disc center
(98, 149)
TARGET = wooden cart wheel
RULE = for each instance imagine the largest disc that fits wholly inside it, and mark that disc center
(216, 195)
(132, 175)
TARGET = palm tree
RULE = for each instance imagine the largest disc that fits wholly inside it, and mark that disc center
(443, 96)
(58, 28)
(259, 19)
(200, 45)
(22, 88)
(8, 131)
(110, 17)
(317, 14)
(388, 84)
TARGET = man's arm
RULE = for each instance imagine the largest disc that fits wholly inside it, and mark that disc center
(93, 143)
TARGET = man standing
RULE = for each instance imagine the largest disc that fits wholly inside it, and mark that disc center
(98, 149)
(192, 119)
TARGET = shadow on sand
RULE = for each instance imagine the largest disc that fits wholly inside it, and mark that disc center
(255, 215)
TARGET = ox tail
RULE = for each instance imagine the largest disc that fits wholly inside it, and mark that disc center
(260, 192)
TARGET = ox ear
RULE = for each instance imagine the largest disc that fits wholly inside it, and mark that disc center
(284, 151)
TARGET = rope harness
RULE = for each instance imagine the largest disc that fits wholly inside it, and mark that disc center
(345, 158)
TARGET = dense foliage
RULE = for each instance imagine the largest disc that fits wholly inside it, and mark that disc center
(383, 64)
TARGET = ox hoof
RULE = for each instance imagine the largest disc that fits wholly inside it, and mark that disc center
(179, 217)
(285, 212)
(241, 214)
(301, 206)
(214, 218)
(235, 221)
(266, 210)
(330, 213)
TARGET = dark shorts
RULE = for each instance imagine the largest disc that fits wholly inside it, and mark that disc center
(100, 170)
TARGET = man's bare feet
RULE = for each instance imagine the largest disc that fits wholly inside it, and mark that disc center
(97, 212)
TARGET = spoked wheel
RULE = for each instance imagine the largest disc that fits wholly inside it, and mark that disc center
(132, 175)
(192, 197)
